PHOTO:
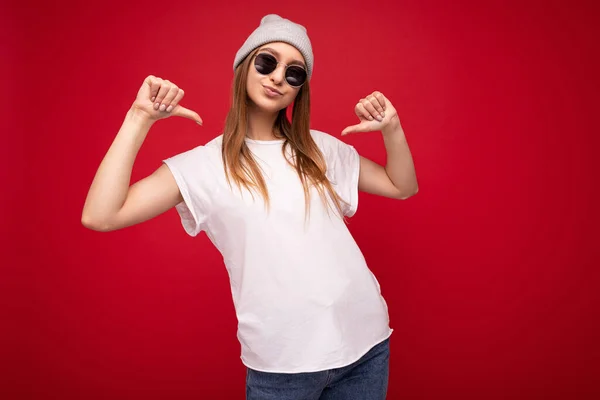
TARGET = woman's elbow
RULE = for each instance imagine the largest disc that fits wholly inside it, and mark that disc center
(407, 195)
(94, 224)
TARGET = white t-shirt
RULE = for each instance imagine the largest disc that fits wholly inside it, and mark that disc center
(304, 297)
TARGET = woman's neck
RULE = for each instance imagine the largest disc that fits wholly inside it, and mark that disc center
(260, 125)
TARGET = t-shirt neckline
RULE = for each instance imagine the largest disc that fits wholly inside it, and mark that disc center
(256, 141)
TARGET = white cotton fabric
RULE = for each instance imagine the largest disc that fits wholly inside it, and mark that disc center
(304, 296)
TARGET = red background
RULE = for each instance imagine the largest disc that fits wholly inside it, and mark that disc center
(490, 271)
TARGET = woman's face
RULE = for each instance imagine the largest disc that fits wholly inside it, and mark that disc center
(271, 92)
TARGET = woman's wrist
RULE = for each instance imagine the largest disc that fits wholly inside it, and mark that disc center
(393, 128)
(139, 117)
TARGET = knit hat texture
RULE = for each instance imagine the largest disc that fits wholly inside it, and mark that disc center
(274, 28)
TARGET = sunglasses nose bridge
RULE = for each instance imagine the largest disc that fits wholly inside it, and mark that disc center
(279, 72)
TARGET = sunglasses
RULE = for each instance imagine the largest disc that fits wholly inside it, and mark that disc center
(265, 63)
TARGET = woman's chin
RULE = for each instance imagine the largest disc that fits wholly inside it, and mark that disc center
(269, 105)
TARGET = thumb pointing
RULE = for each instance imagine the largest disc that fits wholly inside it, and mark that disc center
(350, 129)
(180, 111)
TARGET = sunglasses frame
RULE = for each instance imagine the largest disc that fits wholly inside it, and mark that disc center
(277, 65)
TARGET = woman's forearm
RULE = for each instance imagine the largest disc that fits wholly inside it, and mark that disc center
(110, 186)
(399, 167)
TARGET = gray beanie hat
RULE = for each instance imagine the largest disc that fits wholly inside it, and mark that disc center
(273, 28)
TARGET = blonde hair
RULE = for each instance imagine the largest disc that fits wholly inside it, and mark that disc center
(241, 167)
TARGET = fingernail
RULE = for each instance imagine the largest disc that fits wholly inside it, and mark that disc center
(169, 109)
(163, 107)
(370, 117)
(152, 99)
(382, 114)
(199, 123)
(379, 118)
(156, 105)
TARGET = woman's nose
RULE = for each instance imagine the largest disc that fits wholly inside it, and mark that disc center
(278, 75)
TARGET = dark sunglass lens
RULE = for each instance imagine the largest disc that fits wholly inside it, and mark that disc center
(295, 76)
(265, 63)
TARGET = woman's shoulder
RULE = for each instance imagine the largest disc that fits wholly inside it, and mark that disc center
(318, 135)
(326, 141)
(208, 153)
(211, 148)
(215, 144)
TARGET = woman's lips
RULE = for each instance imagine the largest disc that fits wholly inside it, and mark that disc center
(271, 92)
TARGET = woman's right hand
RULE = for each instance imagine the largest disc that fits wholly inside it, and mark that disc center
(158, 98)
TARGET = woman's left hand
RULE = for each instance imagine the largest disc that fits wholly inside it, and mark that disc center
(376, 113)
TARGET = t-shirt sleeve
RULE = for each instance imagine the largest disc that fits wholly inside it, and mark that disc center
(343, 169)
(191, 174)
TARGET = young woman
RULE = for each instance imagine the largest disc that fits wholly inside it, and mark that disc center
(272, 196)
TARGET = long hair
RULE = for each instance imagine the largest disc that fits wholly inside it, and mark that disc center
(306, 157)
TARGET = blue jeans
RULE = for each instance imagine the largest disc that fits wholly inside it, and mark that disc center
(365, 379)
